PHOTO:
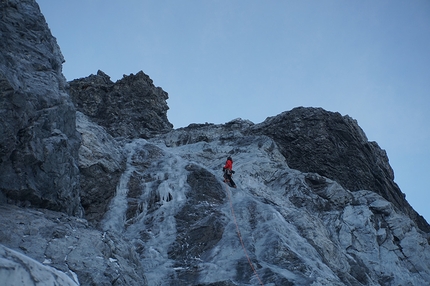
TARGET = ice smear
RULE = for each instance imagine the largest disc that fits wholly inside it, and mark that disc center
(115, 218)
(155, 228)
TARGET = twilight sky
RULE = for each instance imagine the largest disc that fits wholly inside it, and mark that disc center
(224, 59)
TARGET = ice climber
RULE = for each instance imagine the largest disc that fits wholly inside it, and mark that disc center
(228, 172)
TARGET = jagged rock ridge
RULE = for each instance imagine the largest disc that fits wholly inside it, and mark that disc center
(156, 211)
(131, 107)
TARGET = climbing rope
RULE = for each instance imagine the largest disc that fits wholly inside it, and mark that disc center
(240, 236)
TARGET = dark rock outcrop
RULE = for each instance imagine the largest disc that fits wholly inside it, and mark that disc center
(334, 146)
(131, 107)
(38, 139)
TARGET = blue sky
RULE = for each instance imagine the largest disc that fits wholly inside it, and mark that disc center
(224, 59)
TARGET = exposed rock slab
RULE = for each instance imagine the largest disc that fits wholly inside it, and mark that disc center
(200, 224)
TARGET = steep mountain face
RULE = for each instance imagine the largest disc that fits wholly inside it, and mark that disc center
(38, 139)
(296, 228)
(316, 203)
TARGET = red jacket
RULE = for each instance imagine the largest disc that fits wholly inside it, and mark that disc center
(229, 165)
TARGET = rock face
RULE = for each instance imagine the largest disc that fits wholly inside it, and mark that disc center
(334, 146)
(131, 107)
(38, 139)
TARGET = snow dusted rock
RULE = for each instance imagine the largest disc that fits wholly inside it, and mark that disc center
(17, 269)
(206, 132)
(38, 139)
(131, 107)
(101, 163)
(86, 255)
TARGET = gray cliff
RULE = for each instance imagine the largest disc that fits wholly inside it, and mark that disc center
(38, 138)
(97, 188)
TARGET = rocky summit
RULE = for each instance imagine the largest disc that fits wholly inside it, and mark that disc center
(97, 188)
(131, 107)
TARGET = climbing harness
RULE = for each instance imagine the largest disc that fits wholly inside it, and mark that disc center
(240, 236)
